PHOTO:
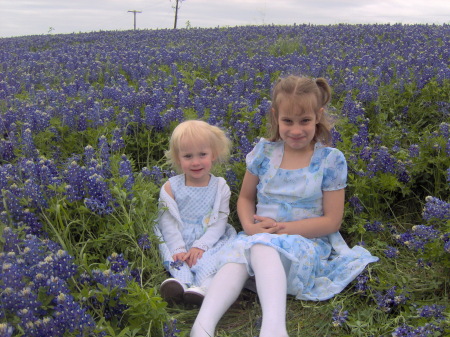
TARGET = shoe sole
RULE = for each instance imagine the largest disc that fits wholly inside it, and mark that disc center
(172, 292)
(193, 298)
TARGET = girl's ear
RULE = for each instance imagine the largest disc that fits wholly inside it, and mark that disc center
(319, 115)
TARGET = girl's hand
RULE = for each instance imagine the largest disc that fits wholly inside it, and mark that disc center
(193, 255)
(179, 257)
(265, 225)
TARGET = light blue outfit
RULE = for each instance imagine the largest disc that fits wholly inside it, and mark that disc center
(197, 217)
(316, 269)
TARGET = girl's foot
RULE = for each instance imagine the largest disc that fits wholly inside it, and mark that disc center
(194, 295)
(172, 290)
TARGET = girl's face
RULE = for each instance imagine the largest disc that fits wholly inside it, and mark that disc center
(196, 160)
(297, 126)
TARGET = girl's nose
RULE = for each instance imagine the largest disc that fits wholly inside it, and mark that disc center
(296, 129)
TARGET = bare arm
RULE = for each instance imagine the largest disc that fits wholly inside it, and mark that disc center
(246, 207)
(330, 222)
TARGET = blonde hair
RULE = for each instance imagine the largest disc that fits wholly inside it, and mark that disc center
(201, 132)
(307, 94)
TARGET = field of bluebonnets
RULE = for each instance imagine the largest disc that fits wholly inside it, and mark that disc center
(85, 119)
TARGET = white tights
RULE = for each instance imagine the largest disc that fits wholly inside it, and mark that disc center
(228, 283)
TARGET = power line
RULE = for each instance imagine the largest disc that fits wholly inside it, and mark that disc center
(134, 12)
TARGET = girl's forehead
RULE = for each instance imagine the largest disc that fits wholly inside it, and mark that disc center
(194, 144)
(297, 104)
(296, 108)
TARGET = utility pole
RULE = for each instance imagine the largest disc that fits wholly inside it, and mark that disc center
(134, 12)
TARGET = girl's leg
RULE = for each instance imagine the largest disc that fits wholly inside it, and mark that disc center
(223, 291)
(271, 285)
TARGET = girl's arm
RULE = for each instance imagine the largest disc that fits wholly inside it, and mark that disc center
(330, 222)
(246, 207)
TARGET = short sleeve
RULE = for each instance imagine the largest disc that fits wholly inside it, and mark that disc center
(335, 171)
(256, 160)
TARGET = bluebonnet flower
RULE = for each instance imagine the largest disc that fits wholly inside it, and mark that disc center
(391, 252)
(117, 142)
(126, 171)
(104, 149)
(352, 110)
(108, 278)
(176, 264)
(68, 315)
(11, 240)
(361, 139)
(339, 316)
(31, 222)
(170, 329)
(436, 208)
(375, 226)
(418, 237)
(12, 200)
(414, 151)
(421, 263)
(355, 202)
(28, 147)
(155, 174)
(144, 242)
(429, 329)
(434, 310)
(117, 262)
(100, 196)
(232, 180)
(112, 305)
(7, 150)
(89, 154)
(6, 330)
(447, 246)
(336, 137)
(389, 299)
(63, 264)
(33, 193)
(75, 176)
(82, 122)
(382, 161)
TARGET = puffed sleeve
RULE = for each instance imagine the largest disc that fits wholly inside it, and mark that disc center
(335, 171)
(256, 160)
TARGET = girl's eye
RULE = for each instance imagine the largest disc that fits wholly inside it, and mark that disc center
(187, 156)
(202, 154)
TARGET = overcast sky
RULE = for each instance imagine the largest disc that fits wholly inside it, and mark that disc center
(34, 17)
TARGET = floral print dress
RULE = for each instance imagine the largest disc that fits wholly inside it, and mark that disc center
(316, 269)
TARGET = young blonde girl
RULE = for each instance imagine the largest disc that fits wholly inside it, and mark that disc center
(193, 211)
(291, 207)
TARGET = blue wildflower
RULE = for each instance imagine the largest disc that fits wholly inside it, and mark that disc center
(170, 329)
(176, 264)
(339, 316)
(144, 242)
(117, 262)
(436, 209)
(391, 252)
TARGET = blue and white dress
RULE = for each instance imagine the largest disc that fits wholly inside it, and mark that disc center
(316, 269)
(197, 217)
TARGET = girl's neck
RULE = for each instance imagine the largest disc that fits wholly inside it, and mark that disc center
(293, 159)
(203, 182)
